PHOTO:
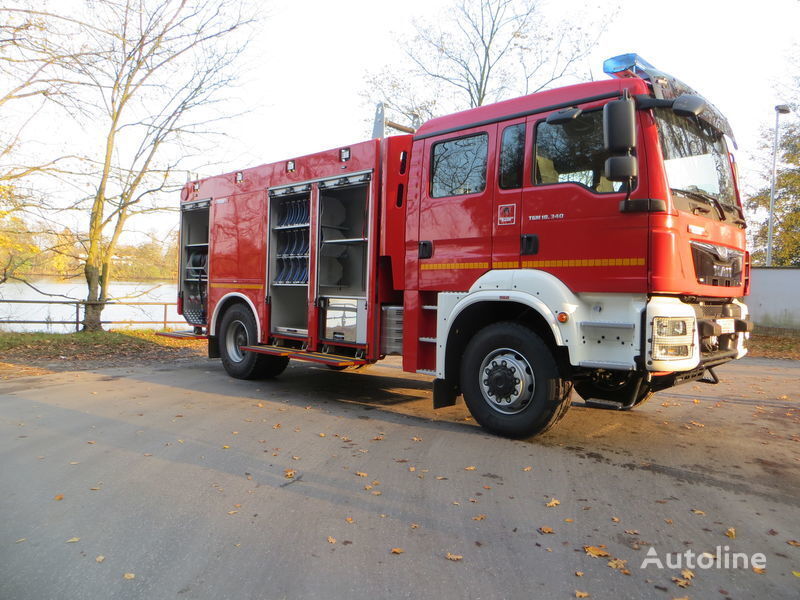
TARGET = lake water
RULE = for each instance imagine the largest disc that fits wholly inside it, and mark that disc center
(151, 291)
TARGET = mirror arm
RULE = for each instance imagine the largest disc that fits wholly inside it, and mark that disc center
(644, 101)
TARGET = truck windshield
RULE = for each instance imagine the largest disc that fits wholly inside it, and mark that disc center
(695, 159)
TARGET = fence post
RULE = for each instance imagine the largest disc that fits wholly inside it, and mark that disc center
(165, 315)
(77, 317)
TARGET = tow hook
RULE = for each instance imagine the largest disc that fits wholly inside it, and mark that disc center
(714, 379)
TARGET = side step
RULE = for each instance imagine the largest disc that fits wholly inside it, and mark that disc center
(184, 335)
(317, 357)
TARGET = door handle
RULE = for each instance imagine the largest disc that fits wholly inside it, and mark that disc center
(529, 243)
(425, 249)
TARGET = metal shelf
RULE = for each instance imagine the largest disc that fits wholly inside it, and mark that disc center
(284, 227)
(346, 241)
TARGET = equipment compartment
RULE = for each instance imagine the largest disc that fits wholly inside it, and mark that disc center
(193, 285)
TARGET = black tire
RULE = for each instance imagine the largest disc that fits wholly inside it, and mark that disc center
(498, 398)
(618, 389)
(238, 328)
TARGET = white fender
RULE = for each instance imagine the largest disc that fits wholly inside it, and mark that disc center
(249, 303)
(601, 329)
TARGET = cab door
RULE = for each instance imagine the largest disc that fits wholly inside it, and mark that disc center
(507, 214)
(456, 209)
(573, 213)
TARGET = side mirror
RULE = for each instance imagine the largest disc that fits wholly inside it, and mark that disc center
(687, 105)
(564, 116)
(619, 125)
(621, 168)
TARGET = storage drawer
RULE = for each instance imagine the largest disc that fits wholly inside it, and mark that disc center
(344, 320)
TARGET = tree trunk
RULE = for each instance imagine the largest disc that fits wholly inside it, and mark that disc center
(94, 306)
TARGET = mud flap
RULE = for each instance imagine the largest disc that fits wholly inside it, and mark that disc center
(213, 347)
(444, 393)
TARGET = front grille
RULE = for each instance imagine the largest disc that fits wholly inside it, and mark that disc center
(717, 311)
(717, 265)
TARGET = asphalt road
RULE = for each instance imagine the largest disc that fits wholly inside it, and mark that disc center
(201, 486)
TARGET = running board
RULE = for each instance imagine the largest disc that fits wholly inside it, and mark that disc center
(183, 335)
(317, 357)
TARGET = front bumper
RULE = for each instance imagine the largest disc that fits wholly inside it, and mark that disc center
(682, 336)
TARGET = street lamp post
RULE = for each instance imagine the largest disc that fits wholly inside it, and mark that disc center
(781, 109)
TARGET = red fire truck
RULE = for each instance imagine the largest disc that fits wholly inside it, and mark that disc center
(590, 236)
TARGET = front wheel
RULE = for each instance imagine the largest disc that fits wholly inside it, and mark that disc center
(511, 383)
(237, 329)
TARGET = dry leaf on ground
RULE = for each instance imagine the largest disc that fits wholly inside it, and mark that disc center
(397, 550)
(545, 530)
(450, 556)
(596, 551)
(552, 503)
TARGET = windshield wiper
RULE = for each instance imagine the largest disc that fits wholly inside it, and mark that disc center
(704, 197)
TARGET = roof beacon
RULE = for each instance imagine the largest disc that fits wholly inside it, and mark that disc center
(627, 65)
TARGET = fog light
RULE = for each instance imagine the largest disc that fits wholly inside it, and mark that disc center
(671, 351)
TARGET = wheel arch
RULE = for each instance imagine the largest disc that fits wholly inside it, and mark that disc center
(474, 313)
(225, 303)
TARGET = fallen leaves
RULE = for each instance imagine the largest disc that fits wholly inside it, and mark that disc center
(361, 474)
(58, 497)
(615, 519)
(453, 557)
(129, 576)
(289, 473)
(478, 517)
(545, 530)
(416, 439)
(349, 520)
(331, 539)
(470, 468)
(552, 503)
(617, 563)
(793, 543)
(73, 540)
(697, 512)
(580, 594)
(731, 533)
(397, 551)
(526, 469)
(759, 570)
(596, 551)
(681, 583)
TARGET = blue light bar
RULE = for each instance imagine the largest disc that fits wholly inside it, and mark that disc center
(627, 62)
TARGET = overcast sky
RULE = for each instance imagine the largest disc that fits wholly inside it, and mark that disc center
(312, 56)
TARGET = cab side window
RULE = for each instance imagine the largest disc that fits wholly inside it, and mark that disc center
(573, 153)
(512, 156)
(458, 166)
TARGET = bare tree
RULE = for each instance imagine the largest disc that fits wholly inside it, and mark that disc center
(485, 51)
(150, 77)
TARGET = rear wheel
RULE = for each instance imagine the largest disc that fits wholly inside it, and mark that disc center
(238, 328)
(511, 383)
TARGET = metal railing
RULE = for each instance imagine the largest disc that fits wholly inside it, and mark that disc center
(78, 322)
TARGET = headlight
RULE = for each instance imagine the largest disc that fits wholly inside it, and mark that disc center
(673, 338)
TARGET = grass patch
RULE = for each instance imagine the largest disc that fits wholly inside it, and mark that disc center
(95, 345)
(774, 346)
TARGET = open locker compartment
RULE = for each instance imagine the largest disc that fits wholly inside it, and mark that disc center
(289, 259)
(343, 238)
(342, 265)
(193, 285)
